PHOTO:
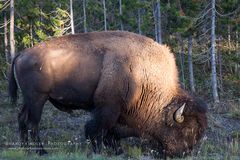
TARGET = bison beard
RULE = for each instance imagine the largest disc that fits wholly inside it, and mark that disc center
(128, 82)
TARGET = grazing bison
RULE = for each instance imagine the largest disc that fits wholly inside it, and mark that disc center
(129, 83)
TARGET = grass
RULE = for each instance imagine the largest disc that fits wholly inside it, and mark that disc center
(209, 150)
(13, 154)
(234, 111)
(134, 152)
(21, 155)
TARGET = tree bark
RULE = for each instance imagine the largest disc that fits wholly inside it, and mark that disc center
(6, 38)
(180, 8)
(220, 70)
(157, 21)
(159, 27)
(168, 4)
(229, 45)
(181, 54)
(237, 65)
(190, 64)
(12, 40)
(229, 38)
(120, 14)
(71, 14)
(84, 17)
(139, 21)
(31, 33)
(105, 15)
(213, 54)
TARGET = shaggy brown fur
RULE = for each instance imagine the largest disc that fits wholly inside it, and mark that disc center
(122, 77)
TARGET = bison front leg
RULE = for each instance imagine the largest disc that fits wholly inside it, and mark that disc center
(107, 101)
(94, 135)
(104, 119)
(112, 141)
(113, 137)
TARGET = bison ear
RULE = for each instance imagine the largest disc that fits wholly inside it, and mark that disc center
(178, 115)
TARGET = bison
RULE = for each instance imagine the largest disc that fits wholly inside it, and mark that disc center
(127, 81)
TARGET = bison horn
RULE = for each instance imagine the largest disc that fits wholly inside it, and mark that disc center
(178, 114)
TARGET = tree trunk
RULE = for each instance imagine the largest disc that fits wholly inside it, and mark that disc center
(84, 17)
(31, 33)
(220, 70)
(181, 54)
(180, 8)
(155, 21)
(139, 21)
(120, 13)
(159, 27)
(168, 4)
(237, 65)
(12, 41)
(213, 54)
(190, 64)
(6, 38)
(71, 14)
(105, 15)
(229, 38)
(229, 45)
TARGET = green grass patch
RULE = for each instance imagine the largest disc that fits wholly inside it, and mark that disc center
(13, 155)
(134, 152)
(19, 154)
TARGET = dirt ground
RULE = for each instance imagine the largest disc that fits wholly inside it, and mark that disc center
(64, 132)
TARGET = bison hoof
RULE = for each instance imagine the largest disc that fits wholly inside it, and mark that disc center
(97, 149)
(42, 152)
(119, 151)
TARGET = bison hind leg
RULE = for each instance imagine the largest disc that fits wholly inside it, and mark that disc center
(29, 119)
(22, 123)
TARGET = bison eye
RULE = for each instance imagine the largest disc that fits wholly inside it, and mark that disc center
(178, 115)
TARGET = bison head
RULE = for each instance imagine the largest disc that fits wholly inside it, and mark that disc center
(183, 125)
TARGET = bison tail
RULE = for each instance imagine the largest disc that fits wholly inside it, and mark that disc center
(12, 84)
